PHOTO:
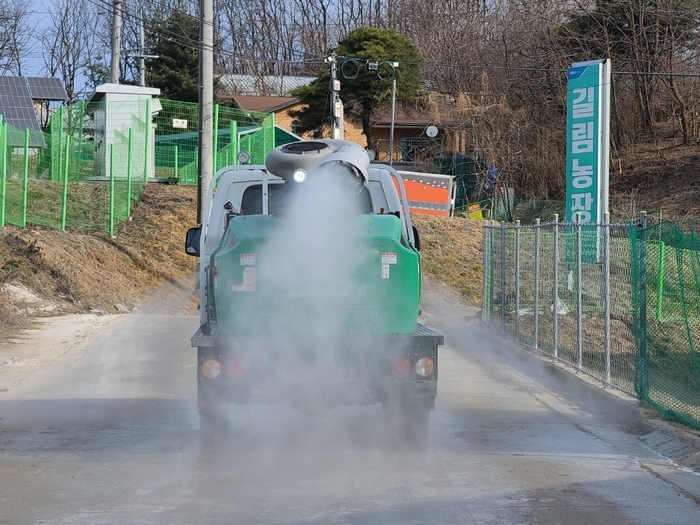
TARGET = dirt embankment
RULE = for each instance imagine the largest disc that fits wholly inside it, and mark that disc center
(49, 272)
(451, 251)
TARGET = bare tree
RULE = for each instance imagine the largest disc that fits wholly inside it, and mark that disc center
(15, 33)
(69, 42)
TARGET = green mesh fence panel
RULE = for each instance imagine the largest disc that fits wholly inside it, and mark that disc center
(176, 139)
(95, 158)
(666, 320)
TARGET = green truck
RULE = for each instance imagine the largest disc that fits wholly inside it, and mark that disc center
(310, 278)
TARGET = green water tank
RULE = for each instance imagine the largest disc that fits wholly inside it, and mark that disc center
(265, 284)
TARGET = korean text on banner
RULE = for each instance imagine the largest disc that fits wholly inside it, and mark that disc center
(587, 142)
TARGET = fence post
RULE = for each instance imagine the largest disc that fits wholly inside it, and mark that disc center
(59, 147)
(66, 168)
(492, 269)
(235, 146)
(177, 163)
(81, 105)
(555, 289)
(147, 145)
(503, 277)
(660, 282)
(606, 292)
(3, 170)
(111, 190)
(517, 281)
(269, 136)
(579, 298)
(644, 380)
(129, 161)
(25, 179)
(536, 302)
(486, 291)
(215, 160)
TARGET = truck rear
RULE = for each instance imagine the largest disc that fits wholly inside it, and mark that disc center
(310, 281)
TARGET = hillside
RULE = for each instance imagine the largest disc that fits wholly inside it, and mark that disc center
(49, 272)
(660, 177)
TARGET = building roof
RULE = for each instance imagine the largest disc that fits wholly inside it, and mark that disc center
(435, 109)
(121, 89)
(261, 104)
(279, 86)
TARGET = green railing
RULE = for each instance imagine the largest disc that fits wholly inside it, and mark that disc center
(94, 159)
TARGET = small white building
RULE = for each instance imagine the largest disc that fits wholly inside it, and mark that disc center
(119, 108)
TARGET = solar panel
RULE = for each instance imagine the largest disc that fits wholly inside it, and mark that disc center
(17, 105)
(41, 88)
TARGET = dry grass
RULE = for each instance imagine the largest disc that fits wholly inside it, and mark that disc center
(452, 253)
(79, 271)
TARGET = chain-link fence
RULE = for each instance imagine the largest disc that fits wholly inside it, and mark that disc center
(616, 301)
(95, 158)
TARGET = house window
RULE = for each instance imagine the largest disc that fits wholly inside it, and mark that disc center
(420, 149)
(295, 127)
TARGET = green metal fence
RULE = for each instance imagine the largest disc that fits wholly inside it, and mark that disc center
(666, 285)
(176, 138)
(620, 302)
(95, 158)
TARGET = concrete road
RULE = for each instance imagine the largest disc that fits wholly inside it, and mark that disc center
(107, 433)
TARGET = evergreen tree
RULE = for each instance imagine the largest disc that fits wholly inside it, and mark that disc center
(361, 88)
(175, 72)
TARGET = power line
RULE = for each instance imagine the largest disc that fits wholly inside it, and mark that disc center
(544, 69)
(317, 58)
(194, 44)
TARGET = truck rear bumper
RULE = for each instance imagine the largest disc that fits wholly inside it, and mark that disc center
(297, 370)
(421, 337)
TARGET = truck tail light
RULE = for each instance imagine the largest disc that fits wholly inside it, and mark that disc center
(400, 366)
(211, 368)
(425, 367)
(236, 368)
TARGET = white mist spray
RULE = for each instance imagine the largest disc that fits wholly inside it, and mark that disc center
(311, 262)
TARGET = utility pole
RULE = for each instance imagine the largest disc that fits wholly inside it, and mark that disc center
(141, 55)
(337, 127)
(206, 103)
(116, 41)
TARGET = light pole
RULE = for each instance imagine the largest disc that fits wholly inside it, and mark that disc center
(393, 115)
(337, 128)
(353, 71)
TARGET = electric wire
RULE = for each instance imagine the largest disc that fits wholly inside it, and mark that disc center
(127, 13)
(316, 58)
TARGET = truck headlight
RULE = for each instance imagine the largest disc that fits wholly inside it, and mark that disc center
(299, 175)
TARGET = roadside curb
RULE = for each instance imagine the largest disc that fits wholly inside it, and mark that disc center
(676, 442)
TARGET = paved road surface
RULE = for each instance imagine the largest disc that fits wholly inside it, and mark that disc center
(108, 434)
